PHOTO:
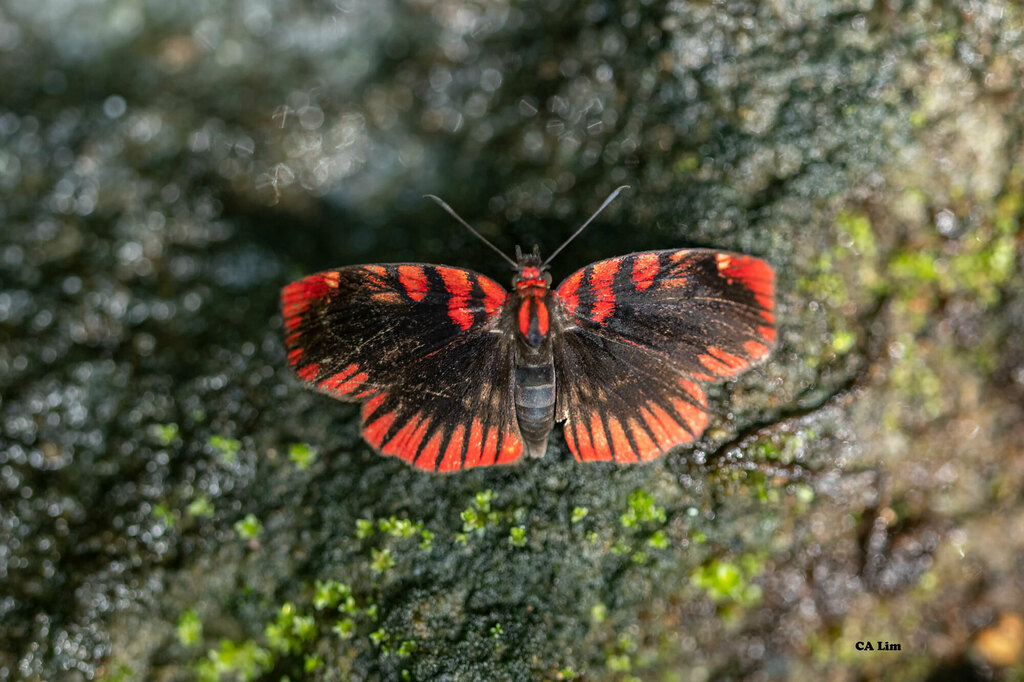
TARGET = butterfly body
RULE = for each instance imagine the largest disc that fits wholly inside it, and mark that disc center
(536, 315)
(454, 372)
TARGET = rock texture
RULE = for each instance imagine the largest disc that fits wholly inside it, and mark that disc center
(174, 505)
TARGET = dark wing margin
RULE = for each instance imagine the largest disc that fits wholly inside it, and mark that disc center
(417, 344)
(642, 333)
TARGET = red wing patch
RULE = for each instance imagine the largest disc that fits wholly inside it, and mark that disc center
(456, 282)
(752, 273)
(601, 278)
(622, 448)
(494, 295)
(568, 291)
(414, 280)
(645, 267)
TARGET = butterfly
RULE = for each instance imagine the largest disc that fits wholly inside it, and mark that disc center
(455, 372)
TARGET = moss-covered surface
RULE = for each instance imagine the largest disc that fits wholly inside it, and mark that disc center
(173, 505)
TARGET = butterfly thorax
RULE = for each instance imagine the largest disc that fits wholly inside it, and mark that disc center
(532, 286)
(531, 302)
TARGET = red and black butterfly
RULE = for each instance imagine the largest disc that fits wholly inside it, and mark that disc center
(455, 372)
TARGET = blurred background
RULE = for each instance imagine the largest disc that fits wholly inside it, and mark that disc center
(174, 506)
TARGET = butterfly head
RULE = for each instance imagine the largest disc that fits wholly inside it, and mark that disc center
(531, 270)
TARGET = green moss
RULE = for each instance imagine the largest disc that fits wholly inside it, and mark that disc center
(344, 628)
(329, 593)
(1009, 210)
(483, 500)
(479, 514)
(641, 509)
(767, 450)
(826, 286)
(249, 528)
(240, 661)
(862, 235)
(619, 663)
(166, 433)
(915, 266)
(301, 455)
(225, 448)
(783, 447)
(201, 507)
(473, 520)
(364, 528)
(189, 629)
(348, 605)
(804, 493)
(765, 492)
(843, 342)
(977, 264)
(944, 42)
(620, 547)
(913, 378)
(399, 528)
(164, 515)
(291, 630)
(517, 536)
(984, 270)
(658, 540)
(686, 163)
(427, 542)
(381, 561)
(729, 582)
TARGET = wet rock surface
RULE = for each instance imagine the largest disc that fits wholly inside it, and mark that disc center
(173, 505)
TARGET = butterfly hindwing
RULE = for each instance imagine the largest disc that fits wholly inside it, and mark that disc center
(642, 332)
(403, 339)
(640, 410)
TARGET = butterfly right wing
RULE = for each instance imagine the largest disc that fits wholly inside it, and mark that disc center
(421, 346)
(641, 333)
(620, 402)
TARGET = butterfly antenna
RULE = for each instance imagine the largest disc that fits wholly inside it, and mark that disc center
(452, 213)
(610, 199)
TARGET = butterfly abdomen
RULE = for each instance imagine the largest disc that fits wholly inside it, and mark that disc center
(535, 403)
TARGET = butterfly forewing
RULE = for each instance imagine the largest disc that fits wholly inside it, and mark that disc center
(421, 347)
(642, 332)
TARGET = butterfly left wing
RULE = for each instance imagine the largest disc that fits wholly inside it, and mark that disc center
(641, 334)
(420, 346)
